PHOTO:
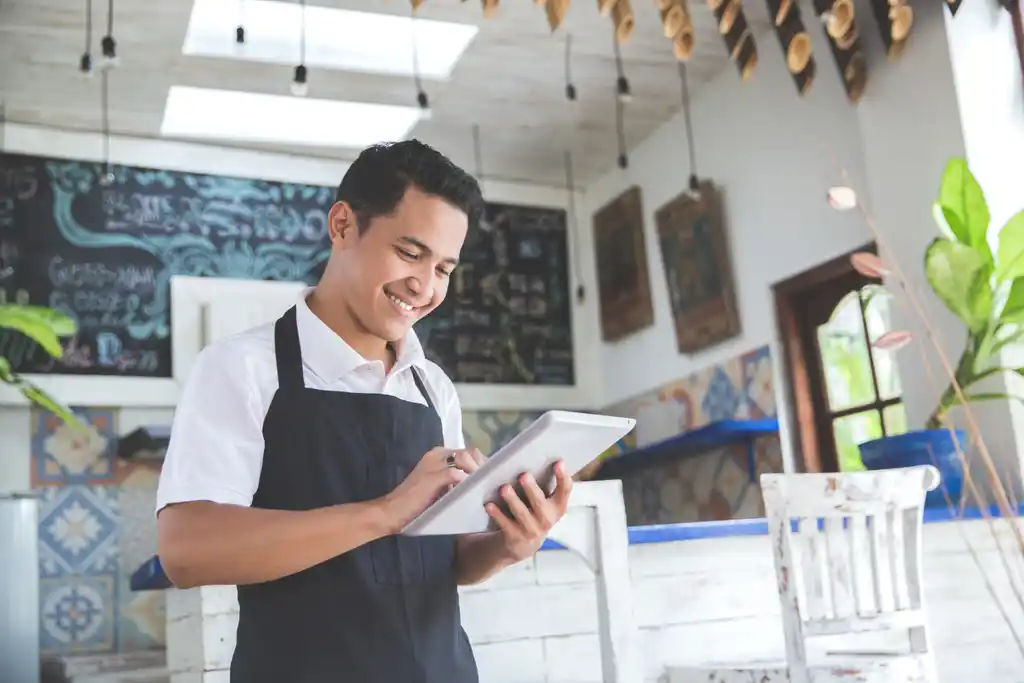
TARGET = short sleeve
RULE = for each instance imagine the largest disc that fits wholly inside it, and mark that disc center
(215, 451)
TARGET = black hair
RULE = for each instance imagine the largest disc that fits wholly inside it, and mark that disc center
(377, 180)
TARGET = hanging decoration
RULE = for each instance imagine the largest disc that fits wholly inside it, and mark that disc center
(555, 11)
(107, 177)
(894, 18)
(623, 20)
(604, 7)
(795, 42)
(490, 7)
(739, 41)
(841, 29)
(622, 89)
(677, 24)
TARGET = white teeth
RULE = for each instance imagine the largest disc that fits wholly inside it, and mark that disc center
(401, 304)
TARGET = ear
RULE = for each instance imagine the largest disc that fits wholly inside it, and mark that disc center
(341, 225)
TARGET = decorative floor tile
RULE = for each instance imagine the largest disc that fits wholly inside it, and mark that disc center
(141, 618)
(63, 455)
(77, 614)
(78, 530)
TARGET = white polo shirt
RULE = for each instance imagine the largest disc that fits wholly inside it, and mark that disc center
(216, 446)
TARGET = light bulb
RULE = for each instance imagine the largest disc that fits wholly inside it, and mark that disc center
(109, 48)
(299, 85)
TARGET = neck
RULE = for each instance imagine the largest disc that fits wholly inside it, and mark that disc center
(336, 314)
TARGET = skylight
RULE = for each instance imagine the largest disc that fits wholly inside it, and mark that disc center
(255, 117)
(335, 38)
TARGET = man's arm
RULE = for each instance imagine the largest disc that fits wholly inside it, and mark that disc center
(480, 556)
(207, 533)
(203, 543)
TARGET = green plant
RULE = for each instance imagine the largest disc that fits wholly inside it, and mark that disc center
(44, 326)
(984, 290)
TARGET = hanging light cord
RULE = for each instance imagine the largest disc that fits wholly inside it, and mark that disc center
(110, 17)
(302, 34)
(688, 122)
(620, 132)
(477, 157)
(105, 101)
(570, 88)
(421, 95)
(88, 26)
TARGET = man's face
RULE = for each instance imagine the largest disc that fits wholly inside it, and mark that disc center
(398, 269)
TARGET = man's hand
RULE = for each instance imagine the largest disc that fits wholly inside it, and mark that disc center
(427, 482)
(525, 528)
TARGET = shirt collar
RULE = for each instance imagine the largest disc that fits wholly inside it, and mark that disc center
(330, 356)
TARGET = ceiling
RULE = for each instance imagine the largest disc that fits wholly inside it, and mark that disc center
(509, 82)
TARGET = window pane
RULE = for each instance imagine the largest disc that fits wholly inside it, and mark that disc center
(852, 430)
(844, 356)
(895, 417)
(876, 311)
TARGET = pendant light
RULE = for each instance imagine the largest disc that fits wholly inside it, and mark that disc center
(240, 29)
(421, 95)
(108, 45)
(85, 62)
(299, 85)
(572, 223)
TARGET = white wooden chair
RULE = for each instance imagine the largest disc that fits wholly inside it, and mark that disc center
(850, 568)
(847, 550)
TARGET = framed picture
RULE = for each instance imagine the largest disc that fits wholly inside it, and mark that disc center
(624, 287)
(695, 253)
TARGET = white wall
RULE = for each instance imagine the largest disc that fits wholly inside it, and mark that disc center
(768, 150)
(85, 391)
(698, 603)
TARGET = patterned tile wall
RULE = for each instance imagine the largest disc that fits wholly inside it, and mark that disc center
(716, 484)
(96, 526)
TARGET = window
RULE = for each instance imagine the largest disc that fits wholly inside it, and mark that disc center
(844, 391)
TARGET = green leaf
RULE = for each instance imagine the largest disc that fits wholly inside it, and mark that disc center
(44, 400)
(1010, 261)
(961, 197)
(1013, 309)
(956, 227)
(959, 276)
(993, 396)
(43, 325)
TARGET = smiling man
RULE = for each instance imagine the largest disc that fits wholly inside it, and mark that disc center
(301, 448)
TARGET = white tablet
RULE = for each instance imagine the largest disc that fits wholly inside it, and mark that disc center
(575, 438)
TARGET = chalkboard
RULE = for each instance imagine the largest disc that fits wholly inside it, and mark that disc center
(506, 319)
(105, 253)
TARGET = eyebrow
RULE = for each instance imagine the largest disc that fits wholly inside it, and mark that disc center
(419, 245)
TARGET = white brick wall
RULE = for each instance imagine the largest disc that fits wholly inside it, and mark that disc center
(697, 602)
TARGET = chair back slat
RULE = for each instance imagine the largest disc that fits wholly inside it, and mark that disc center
(853, 554)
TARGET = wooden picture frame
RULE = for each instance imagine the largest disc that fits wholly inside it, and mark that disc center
(624, 286)
(698, 269)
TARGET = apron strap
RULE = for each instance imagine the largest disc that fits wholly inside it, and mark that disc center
(288, 352)
(423, 389)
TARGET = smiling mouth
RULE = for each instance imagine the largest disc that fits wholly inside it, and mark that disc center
(401, 304)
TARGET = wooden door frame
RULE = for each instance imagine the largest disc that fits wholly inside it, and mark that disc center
(805, 424)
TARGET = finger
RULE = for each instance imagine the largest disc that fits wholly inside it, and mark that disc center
(518, 509)
(505, 523)
(477, 456)
(564, 486)
(465, 461)
(534, 494)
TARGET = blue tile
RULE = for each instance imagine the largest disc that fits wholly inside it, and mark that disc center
(721, 398)
(502, 426)
(78, 530)
(62, 455)
(752, 394)
(77, 614)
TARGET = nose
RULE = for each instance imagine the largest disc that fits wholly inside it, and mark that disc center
(421, 287)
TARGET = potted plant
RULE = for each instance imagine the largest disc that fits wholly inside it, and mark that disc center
(44, 326)
(986, 292)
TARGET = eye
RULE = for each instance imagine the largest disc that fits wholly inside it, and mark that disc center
(445, 273)
(406, 254)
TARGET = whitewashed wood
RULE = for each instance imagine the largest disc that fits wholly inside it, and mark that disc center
(892, 503)
(510, 80)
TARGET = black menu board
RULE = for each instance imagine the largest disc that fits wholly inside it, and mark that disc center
(104, 253)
